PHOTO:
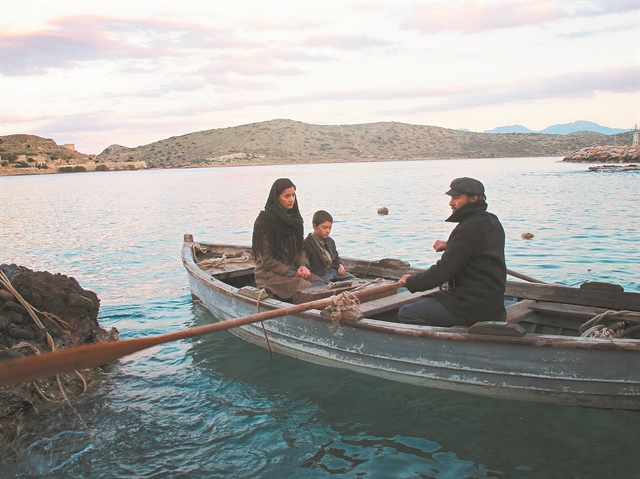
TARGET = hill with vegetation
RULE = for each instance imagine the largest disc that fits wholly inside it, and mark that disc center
(287, 141)
(23, 151)
(31, 154)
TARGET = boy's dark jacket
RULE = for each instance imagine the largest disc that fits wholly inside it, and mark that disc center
(316, 257)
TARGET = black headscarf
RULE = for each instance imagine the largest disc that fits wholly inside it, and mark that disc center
(284, 228)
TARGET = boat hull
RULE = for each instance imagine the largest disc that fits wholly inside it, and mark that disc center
(570, 372)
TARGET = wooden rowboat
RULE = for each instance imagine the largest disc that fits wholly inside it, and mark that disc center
(538, 354)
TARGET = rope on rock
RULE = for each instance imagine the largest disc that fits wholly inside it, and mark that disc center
(59, 322)
(52, 317)
(616, 328)
(345, 305)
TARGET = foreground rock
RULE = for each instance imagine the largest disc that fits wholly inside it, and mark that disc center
(72, 320)
(605, 154)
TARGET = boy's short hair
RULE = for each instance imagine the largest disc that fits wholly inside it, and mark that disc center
(320, 217)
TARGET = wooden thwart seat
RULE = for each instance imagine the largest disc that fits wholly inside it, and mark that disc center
(515, 313)
(571, 310)
(387, 303)
(564, 317)
(521, 310)
(589, 296)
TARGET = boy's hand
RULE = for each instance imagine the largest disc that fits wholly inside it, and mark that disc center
(303, 272)
(341, 270)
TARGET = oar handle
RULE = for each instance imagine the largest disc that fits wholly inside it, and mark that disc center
(524, 277)
(39, 366)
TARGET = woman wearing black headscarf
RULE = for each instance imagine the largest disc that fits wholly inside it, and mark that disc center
(278, 247)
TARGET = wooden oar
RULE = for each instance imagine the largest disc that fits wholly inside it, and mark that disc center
(33, 367)
(515, 274)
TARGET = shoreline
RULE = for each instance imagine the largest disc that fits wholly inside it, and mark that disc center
(36, 172)
(279, 162)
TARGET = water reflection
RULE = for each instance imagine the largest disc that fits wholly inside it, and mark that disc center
(339, 422)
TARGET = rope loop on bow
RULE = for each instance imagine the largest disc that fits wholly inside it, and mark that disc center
(345, 305)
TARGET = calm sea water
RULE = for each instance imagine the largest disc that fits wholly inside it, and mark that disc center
(217, 407)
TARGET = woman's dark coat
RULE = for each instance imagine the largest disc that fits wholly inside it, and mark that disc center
(278, 245)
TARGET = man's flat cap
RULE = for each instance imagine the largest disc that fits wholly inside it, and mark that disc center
(465, 186)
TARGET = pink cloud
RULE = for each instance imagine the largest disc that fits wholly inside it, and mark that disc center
(70, 40)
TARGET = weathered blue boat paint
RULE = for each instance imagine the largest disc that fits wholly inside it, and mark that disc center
(570, 371)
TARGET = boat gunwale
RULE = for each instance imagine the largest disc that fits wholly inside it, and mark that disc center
(449, 333)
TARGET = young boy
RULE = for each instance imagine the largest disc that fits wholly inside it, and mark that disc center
(321, 250)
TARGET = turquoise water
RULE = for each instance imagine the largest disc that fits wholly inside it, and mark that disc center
(219, 407)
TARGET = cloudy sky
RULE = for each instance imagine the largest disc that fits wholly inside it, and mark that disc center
(96, 73)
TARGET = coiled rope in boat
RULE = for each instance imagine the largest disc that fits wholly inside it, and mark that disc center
(345, 305)
(216, 262)
(595, 327)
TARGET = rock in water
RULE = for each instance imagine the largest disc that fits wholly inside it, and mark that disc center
(72, 320)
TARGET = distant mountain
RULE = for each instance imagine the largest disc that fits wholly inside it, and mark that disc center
(561, 129)
(510, 129)
(581, 125)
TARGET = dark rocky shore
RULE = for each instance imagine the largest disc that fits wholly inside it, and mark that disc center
(67, 314)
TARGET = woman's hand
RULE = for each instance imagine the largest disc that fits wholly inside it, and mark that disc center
(341, 270)
(403, 280)
(303, 272)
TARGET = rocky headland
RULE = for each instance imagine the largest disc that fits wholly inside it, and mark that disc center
(40, 311)
(605, 154)
(33, 155)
